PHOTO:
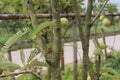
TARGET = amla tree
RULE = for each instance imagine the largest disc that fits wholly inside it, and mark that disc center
(51, 54)
(85, 36)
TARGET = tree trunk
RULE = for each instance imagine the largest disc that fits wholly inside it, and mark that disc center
(53, 56)
(84, 36)
(87, 37)
(57, 46)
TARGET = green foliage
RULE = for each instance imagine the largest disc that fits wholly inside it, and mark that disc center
(12, 40)
(42, 26)
(8, 66)
(9, 9)
(67, 74)
(33, 54)
(42, 7)
(111, 8)
(37, 63)
(107, 76)
(26, 77)
(11, 6)
(22, 56)
(111, 68)
(6, 78)
(25, 8)
(98, 50)
(66, 6)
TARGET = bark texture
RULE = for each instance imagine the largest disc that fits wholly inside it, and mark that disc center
(57, 40)
(52, 56)
(84, 36)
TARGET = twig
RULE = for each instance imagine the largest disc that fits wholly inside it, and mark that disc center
(101, 9)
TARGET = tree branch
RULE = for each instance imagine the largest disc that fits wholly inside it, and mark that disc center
(85, 59)
(22, 72)
(101, 9)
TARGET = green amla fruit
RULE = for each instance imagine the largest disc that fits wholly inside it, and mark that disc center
(64, 21)
(102, 45)
(101, 17)
(97, 51)
(106, 22)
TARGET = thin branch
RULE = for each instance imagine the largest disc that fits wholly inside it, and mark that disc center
(15, 74)
(101, 9)
(21, 72)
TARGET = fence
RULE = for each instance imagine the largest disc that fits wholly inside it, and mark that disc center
(22, 16)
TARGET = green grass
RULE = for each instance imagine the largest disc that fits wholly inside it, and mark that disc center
(68, 73)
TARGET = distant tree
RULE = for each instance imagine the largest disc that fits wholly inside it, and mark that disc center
(111, 8)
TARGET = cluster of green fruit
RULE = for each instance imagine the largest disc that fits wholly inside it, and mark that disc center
(105, 21)
(98, 51)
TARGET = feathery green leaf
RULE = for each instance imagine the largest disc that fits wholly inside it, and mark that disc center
(41, 26)
(12, 40)
(22, 56)
(38, 63)
(34, 53)
(7, 65)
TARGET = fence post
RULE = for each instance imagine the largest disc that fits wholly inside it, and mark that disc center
(75, 62)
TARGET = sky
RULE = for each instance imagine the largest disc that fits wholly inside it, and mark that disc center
(117, 2)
